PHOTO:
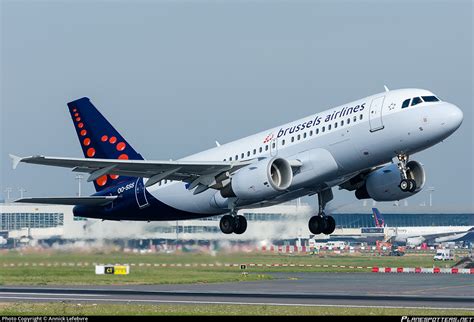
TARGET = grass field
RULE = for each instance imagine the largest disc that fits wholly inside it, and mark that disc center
(71, 274)
(20, 309)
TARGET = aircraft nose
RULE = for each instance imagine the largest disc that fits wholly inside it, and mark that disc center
(454, 116)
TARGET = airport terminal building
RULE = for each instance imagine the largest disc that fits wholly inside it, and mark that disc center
(282, 222)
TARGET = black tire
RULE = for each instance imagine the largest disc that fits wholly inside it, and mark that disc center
(412, 184)
(404, 185)
(240, 225)
(330, 225)
(315, 225)
(227, 224)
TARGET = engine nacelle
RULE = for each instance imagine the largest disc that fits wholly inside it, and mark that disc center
(261, 180)
(383, 184)
(415, 241)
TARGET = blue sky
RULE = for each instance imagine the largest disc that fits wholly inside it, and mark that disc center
(173, 77)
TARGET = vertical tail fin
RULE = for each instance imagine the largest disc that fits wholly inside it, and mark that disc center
(379, 221)
(99, 139)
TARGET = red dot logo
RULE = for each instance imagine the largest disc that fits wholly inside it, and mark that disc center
(78, 119)
(90, 152)
(80, 125)
(113, 176)
(123, 157)
(102, 181)
(113, 139)
(104, 138)
(121, 146)
(83, 133)
(87, 141)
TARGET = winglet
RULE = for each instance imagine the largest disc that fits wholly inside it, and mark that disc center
(15, 160)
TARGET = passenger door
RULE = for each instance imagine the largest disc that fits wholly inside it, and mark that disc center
(375, 114)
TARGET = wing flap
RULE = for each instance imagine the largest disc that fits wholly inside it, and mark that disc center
(73, 201)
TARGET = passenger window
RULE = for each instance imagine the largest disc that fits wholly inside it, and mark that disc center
(242, 156)
(311, 133)
(355, 118)
(225, 160)
(273, 145)
(283, 142)
(266, 147)
(335, 125)
(406, 103)
(361, 116)
(236, 157)
(323, 129)
(329, 127)
(415, 101)
(248, 153)
(342, 122)
(292, 139)
(260, 149)
(304, 135)
(430, 98)
(299, 137)
(254, 151)
(230, 159)
(348, 121)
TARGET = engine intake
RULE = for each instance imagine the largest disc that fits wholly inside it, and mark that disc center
(260, 180)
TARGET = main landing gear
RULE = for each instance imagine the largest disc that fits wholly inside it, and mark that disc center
(321, 223)
(233, 224)
(406, 184)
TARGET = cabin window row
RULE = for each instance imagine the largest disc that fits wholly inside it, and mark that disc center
(297, 138)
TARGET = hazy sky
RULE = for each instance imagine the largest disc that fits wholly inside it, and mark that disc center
(174, 76)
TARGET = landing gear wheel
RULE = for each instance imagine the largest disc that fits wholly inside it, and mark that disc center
(240, 224)
(330, 224)
(412, 185)
(405, 185)
(316, 225)
(227, 224)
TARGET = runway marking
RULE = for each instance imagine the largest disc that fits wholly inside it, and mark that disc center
(240, 303)
(35, 293)
(438, 288)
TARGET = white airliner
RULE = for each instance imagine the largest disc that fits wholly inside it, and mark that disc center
(361, 146)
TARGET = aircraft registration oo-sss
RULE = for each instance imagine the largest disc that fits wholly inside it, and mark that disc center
(362, 146)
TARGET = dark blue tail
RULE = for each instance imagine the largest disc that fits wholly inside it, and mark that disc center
(379, 221)
(99, 139)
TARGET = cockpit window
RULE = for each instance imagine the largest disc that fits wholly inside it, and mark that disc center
(406, 103)
(416, 100)
(430, 98)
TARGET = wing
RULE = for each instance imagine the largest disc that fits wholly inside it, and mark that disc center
(206, 174)
(85, 201)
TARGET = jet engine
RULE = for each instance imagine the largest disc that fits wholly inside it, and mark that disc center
(258, 181)
(384, 184)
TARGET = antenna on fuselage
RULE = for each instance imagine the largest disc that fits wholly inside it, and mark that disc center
(386, 88)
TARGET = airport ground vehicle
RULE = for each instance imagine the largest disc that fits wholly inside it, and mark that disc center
(444, 255)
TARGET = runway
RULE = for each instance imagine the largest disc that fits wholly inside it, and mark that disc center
(306, 289)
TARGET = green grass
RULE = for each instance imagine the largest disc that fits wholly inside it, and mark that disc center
(83, 275)
(20, 309)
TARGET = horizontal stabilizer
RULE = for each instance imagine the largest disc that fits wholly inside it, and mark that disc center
(73, 201)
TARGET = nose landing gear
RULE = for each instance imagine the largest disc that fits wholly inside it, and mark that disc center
(321, 223)
(406, 184)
